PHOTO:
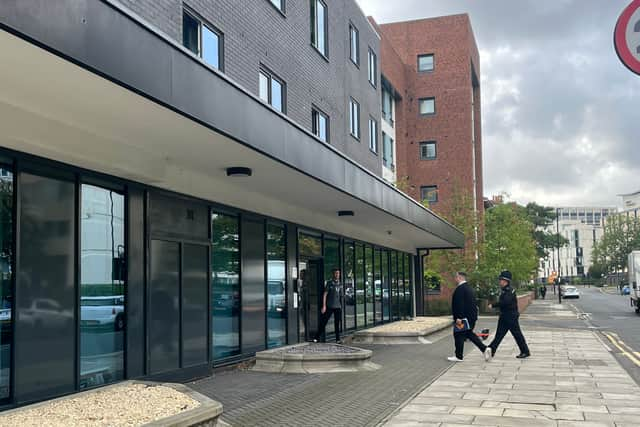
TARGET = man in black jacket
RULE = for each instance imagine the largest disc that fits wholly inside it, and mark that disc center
(508, 320)
(464, 306)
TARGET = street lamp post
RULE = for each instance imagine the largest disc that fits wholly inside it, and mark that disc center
(558, 244)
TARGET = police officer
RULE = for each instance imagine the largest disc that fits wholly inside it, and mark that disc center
(508, 321)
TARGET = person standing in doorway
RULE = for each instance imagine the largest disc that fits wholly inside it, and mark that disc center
(464, 307)
(331, 305)
(509, 319)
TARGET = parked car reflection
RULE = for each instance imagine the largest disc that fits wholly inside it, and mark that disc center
(45, 311)
(103, 311)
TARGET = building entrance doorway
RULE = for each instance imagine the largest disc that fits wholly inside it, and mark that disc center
(310, 292)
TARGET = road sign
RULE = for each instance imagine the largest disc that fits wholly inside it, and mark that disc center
(627, 37)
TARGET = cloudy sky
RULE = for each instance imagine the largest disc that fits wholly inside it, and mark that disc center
(561, 114)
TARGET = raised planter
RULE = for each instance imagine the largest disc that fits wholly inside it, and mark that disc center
(382, 335)
(206, 415)
(525, 300)
(314, 358)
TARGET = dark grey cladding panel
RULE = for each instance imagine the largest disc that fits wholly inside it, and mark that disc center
(100, 35)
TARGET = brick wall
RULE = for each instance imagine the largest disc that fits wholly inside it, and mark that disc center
(256, 33)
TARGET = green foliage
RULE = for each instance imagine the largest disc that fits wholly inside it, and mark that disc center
(543, 217)
(432, 279)
(102, 289)
(621, 236)
(508, 244)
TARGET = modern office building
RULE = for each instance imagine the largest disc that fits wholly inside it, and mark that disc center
(178, 180)
(631, 204)
(583, 227)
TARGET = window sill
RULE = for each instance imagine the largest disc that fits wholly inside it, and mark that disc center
(373, 152)
(325, 57)
(426, 71)
(354, 63)
(357, 138)
(280, 11)
(427, 115)
(428, 159)
(373, 85)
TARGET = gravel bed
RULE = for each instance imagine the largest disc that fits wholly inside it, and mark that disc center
(320, 348)
(127, 405)
(418, 325)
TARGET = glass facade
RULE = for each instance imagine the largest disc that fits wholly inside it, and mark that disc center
(369, 285)
(377, 282)
(395, 315)
(102, 286)
(6, 279)
(408, 299)
(360, 286)
(349, 286)
(331, 261)
(225, 283)
(386, 286)
(276, 286)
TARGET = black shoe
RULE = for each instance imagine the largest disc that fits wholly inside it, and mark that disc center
(523, 355)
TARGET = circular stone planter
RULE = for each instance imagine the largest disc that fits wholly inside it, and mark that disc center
(314, 358)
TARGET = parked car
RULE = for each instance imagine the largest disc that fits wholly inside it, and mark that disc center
(570, 292)
(102, 311)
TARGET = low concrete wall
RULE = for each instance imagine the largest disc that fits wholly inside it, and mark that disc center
(525, 300)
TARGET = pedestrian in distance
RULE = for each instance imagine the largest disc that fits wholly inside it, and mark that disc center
(464, 308)
(508, 320)
(331, 306)
(543, 291)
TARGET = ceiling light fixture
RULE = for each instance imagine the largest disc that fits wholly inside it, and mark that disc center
(345, 213)
(239, 171)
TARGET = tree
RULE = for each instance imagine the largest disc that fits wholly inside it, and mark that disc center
(508, 245)
(621, 236)
(542, 218)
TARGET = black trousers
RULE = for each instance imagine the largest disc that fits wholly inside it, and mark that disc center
(509, 323)
(460, 337)
(324, 319)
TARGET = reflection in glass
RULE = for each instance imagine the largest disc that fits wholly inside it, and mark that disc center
(276, 286)
(225, 280)
(349, 287)
(331, 261)
(408, 288)
(310, 246)
(394, 285)
(386, 306)
(102, 286)
(369, 284)
(360, 279)
(377, 292)
(401, 286)
(6, 265)
(210, 47)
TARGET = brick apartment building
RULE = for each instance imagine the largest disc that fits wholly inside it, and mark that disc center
(431, 69)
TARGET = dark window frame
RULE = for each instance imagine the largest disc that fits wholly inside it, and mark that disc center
(388, 115)
(375, 148)
(203, 22)
(314, 25)
(358, 128)
(373, 74)
(283, 10)
(428, 98)
(353, 29)
(433, 57)
(433, 189)
(388, 163)
(315, 113)
(270, 77)
(435, 149)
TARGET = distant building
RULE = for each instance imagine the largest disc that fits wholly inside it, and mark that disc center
(631, 203)
(583, 227)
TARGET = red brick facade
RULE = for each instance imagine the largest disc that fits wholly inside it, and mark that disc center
(455, 76)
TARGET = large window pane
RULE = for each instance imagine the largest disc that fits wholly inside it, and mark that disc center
(190, 29)
(378, 286)
(210, 47)
(276, 286)
(331, 261)
(225, 280)
(394, 286)
(401, 285)
(264, 87)
(102, 274)
(408, 289)
(276, 94)
(386, 287)
(321, 25)
(360, 295)
(369, 284)
(6, 271)
(349, 286)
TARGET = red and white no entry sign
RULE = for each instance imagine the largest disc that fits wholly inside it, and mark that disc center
(627, 37)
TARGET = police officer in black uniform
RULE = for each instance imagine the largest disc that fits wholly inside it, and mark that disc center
(508, 321)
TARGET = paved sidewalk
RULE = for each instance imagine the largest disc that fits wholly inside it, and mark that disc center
(570, 380)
